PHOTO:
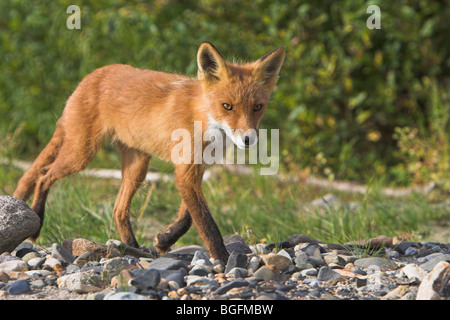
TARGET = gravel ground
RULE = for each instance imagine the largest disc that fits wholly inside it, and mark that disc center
(299, 268)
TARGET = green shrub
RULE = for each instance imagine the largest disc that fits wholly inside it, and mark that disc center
(344, 88)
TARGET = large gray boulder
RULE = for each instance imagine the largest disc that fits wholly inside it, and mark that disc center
(17, 222)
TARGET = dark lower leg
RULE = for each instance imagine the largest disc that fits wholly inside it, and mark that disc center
(174, 231)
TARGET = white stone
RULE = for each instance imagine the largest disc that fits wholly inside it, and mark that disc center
(413, 271)
(431, 286)
(73, 282)
(14, 265)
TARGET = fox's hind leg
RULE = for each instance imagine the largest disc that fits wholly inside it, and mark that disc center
(179, 227)
(72, 158)
(78, 146)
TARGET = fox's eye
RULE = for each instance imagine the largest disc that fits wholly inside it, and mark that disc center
(227, 106)
(258, 107)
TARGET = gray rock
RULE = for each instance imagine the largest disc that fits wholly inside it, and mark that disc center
(62, 254)
(174, 275)
(219, 266)
(238, 273)
(238, 246)
(233, 238)
(17, 222)
(361, 282)
(254, 263)
(264, 273)
(148, 279)
(429, 265)
(302, 261)
(167, 264)
(72, 268)
(188, 249)
(199, 255)
(403, 246)
(37, 284)
(411, 251)
(309, 272)
(427, 257)
(26, 244)
(233, 284)
(23, 252)
(236, 259)
(327, 274)
(393, 254)
(382, 263)
(203, 282)
(312, 282)
(95, 296)
(317, 261)
(301, 238)
(200, 271)
(19, 287)
(334, 259)
(313, 250)
(285, 253)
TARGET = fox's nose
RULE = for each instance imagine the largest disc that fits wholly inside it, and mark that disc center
(247, 140)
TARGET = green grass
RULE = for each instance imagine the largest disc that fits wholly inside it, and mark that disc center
(260, 208)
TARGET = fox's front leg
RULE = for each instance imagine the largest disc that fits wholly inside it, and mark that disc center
(189, 179)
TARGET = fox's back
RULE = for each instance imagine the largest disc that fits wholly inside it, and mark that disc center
(137, 107)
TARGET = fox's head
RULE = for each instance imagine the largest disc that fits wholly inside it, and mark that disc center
(237, 95)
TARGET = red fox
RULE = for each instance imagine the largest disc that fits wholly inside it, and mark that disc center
(139, 109)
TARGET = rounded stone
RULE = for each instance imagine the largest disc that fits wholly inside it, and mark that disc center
(17, 222)
(19, 287)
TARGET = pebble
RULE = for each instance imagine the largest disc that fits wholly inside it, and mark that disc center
(297, 268)
(14, 265)
(238, 246)
(279, 262)
(264, 273)
(429, 265)
(166, 264)
(18, 287)
(236, 259)
(327, 274)
(60, 253)
(233, 284)
(237, 273)
(375, 261)
(148, 279)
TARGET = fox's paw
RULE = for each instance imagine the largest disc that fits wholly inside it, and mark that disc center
(162, 242)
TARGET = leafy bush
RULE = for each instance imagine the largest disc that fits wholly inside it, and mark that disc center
(343, 91)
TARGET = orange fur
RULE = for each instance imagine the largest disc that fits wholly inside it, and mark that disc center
(139, 109)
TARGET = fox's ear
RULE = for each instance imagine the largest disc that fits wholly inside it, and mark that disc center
(268, 66)
(211, 65)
